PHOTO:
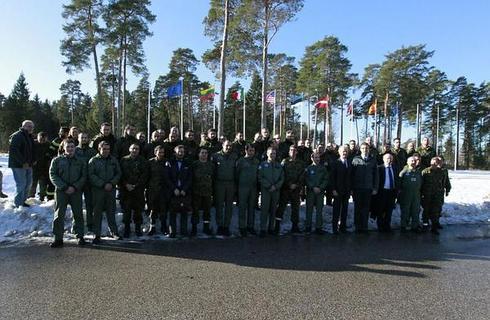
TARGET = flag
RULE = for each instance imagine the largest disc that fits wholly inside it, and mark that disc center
(296, 99)
(372, 108)
(350, 108)
(271, 97)
(322, 103)
(207, 94)
(175, 90)
(395, 111)
(237, 95)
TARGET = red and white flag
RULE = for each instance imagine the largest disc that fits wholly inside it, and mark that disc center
(271, 97)
(322, 103)
(350, 108)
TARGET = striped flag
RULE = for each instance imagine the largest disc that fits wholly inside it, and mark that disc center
(350, 108)
(271, 97)
(322, 103)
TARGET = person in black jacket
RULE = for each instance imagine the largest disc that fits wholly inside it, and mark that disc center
(21, 159)
(341, 172)
(180, 179)
(388, 188)
(365, 184)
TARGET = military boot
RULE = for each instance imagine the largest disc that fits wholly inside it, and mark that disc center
(137, 230)
(207, 230)
(251, 231)
(243, 232)
(152, 230)
(295, 228)
(277, 228)
(127, 230)
(164, 228)
(194, 230)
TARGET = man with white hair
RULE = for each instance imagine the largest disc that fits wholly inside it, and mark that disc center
(21, 159)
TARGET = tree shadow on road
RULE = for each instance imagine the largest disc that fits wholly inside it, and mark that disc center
(407, 255)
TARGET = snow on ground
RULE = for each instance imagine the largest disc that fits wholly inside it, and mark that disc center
(467, 203)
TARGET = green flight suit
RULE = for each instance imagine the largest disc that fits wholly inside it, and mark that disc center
(67, 172)
(409, 197)
(270, 174)
(246, 172)
(100, 172)
(86, 153)
(315, 176)
(224, 188)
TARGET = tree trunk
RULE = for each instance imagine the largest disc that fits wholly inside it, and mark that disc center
(119, 83)
(385, 130)
(124, 85)
(100, 101)
(399, 122)
(263, 117)
(224, 45)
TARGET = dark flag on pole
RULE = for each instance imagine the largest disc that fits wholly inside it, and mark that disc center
(175, 90)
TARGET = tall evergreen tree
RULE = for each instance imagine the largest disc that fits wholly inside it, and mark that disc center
(83, 35)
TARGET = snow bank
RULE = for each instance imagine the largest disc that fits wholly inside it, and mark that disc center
(467, 203)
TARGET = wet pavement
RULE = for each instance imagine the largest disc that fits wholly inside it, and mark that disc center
(375, 276)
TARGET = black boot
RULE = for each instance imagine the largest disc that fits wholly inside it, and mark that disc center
(164, 228)
(207, 230)
(251, 231)
(137, 230)
(295, 228)
(194, 230)
(56, 244)
(152, 230)
(127, 230)
(220, 231)
(226, 232)
(277, 228)
(434, 230)
(3, 195)
(81, 241)
(243, 232)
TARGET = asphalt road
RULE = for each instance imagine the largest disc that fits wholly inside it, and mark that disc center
(372, 276)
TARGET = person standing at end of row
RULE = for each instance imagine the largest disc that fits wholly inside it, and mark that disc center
(340, 175)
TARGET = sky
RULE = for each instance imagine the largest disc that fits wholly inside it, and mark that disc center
(458, 32)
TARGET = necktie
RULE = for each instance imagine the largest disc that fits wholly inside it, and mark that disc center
(390, 174)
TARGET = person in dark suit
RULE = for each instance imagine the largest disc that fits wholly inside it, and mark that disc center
(180, 178)
(341, 172)
(388, 188)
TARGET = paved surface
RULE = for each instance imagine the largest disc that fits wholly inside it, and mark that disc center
(346, 277)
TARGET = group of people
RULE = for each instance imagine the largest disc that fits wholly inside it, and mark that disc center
(169, 178)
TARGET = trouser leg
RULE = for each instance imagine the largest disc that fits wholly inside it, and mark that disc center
(265, 201)
(20, 185)
(337, 206)
(61, 202)
(99, 203)
(110, 204)
(319, 210)
(76, 208)
(251, 204)
(273, 208)
(229, 195)
(219, 204)
(295, 202)
(243, 196)
(310, 202)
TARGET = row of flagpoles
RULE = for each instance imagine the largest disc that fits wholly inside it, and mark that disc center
(296, 102)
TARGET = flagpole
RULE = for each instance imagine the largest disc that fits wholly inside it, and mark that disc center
(437, 131)
(309, 123)
(351, 118)
(149, 117)
(376, 123)
(326, 127)
(314, 129)
(274, 115)
(182, 109)
(341, 124)
(244, 115)
(417, 128)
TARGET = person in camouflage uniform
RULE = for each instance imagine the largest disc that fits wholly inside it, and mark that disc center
(283, 149)
(294, 170)
(158, 192)
(410, 150)
(400, 153)
(104, 173)
(426, 153)
(156, 140)
(191, 146)
(271, 178)
(211, 143)
(106, 135)
(433, 191)
(409, 196)
(224, 162)
(68, 174)
(85, 152)
(203, 173)
(316, 180)
(238, 146)
(134, 176)
(124, 142)
(246, 174)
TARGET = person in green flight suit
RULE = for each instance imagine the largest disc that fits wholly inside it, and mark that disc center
(316, 180)
(246, 174)
(85, 152)
(409, 196)
(68, 174)
(271, 178)
(203, 173)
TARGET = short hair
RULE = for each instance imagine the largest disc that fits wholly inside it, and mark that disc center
(248, 146)
(158, 148)
(270, 148)
(364, 144)
(105, 124)
(126, 127)
(26, 122)
(135, 144)
(396, 139)
(178, 147)
(42, 134)
(201, 149)
(211, 130)
(410, 159)
(189, 131)
(102, 144)
(67, 141)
